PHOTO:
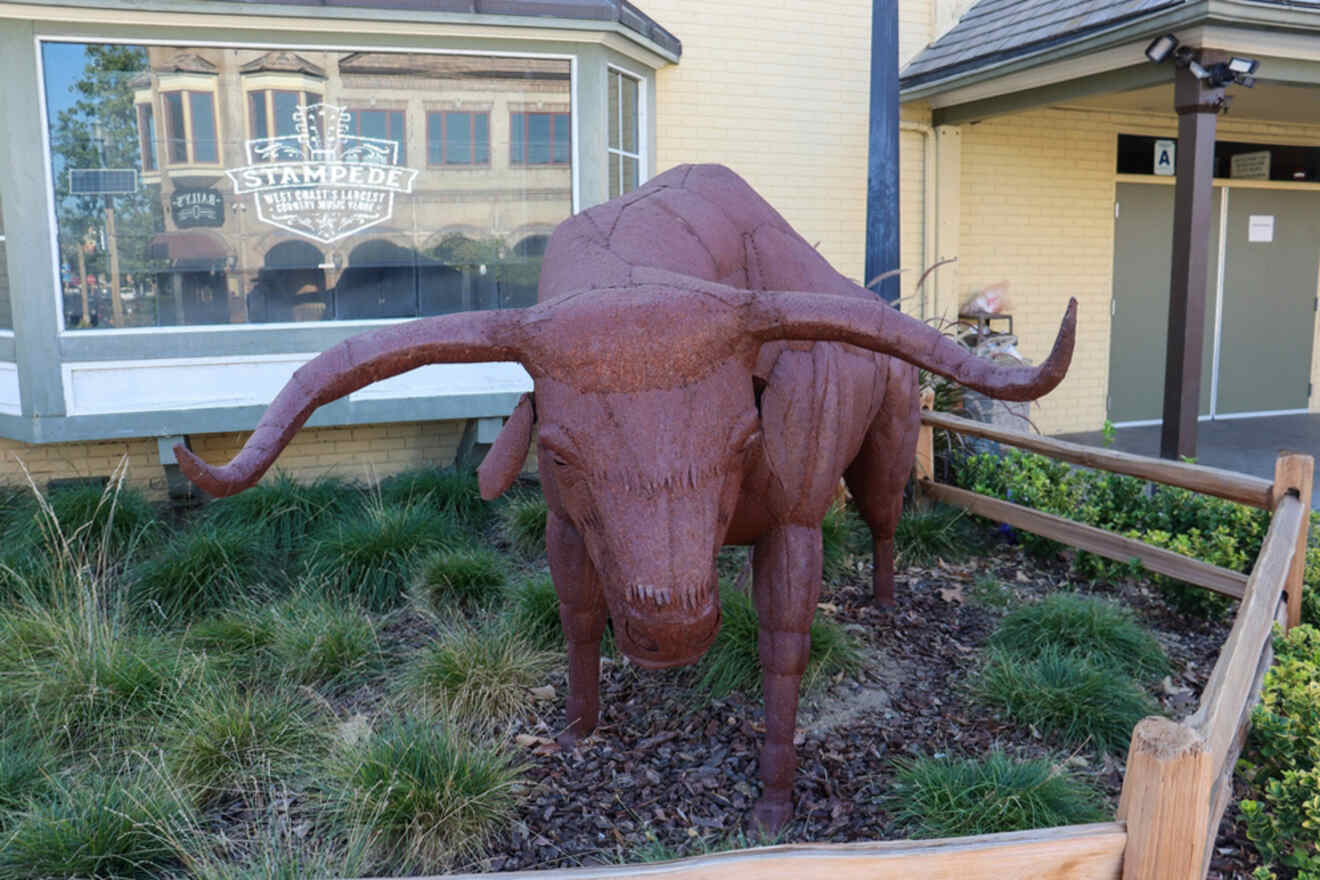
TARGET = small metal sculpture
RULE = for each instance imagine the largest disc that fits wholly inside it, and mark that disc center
(679, 406)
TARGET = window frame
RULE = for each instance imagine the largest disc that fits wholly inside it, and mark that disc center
(523, 162)
(185, 87)
(148, 151)
(618, 154)
(354, 115)
(444, 162)
(267, 91)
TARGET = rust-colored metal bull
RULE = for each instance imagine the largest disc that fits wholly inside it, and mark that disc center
(680, 405)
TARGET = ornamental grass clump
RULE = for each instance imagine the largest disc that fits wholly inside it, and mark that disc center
(733, 662)
(447, 490)
(465, 575)
(956, 797)
(533, 612)
(316, 641)
(370, 558)
(844, 536)
(1065, 694)
(482, 675)
(427, 795)
(925, 535)
(1104, 632)
(26, 765)
(102, 824)
(286, 511)
(219, 737)
(523, 518)
(203, 569)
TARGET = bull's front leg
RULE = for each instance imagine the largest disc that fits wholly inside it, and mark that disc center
(582, 614)
(786, 573)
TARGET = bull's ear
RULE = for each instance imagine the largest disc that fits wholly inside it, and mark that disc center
(508, 453)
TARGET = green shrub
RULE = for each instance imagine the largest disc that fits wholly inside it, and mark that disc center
(524, 517)
(218, 737)
(370, 558)
(104, 825)
(429, 796)
(952, 797)
(1210, 529)
(924, 535)
(479, 674)
(733, 661)
(1066, 694)
(465, 575)
(449, 491)
(204, 569)
(1074, 624)
(1282, 758)
(1311, 580)
(284, 511)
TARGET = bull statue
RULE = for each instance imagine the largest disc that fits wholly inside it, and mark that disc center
(701, 377)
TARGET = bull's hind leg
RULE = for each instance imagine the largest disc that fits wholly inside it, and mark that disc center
(582, 614)
(786, 585)
(878, 474)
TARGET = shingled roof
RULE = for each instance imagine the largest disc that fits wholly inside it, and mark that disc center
(992, 31)
(621, 11)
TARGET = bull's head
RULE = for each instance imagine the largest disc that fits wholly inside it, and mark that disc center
(645, 414)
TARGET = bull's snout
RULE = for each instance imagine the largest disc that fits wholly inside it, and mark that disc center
(660, 633)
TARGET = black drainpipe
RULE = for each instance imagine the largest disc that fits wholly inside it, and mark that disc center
(882, 154)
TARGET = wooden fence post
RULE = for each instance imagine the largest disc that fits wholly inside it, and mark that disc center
(1294, 472)
(924, 464)
(1165, 802)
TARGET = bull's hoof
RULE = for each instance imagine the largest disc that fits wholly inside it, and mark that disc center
(770, 815)
(579, 729)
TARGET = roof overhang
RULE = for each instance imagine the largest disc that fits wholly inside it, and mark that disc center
(379, 21)
(1283, 39)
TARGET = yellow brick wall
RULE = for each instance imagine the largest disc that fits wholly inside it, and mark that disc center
(779, 93)
(1037, 211)
(360, 452)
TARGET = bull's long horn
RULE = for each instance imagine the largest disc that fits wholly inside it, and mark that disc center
(356, 362)
(870, 323)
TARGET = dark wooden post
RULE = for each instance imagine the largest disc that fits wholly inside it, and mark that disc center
(882, 157)
(1197, 104)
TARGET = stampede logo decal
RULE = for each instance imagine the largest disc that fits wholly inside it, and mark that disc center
(323, 182)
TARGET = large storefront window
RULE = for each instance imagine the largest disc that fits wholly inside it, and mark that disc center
(203, 185)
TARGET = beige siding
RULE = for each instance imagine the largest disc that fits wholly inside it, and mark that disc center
(1037, 211)
(365, 452)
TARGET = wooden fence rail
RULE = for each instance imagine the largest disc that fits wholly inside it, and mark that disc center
(1179, 774)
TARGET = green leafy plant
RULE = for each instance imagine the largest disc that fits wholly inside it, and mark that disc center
(1088, 626)
(370, 558)
(1066, 694)
(733, 661)
(954, 797)
(427, 795)
(1282, 758)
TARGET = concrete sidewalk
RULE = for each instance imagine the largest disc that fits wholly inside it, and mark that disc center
(1249, 446)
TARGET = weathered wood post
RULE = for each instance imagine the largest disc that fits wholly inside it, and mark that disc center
(1294, 472)
(1165, 802)
(924, 464)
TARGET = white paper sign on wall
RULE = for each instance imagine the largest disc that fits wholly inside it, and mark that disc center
(1166, 155)
(1260, 227)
